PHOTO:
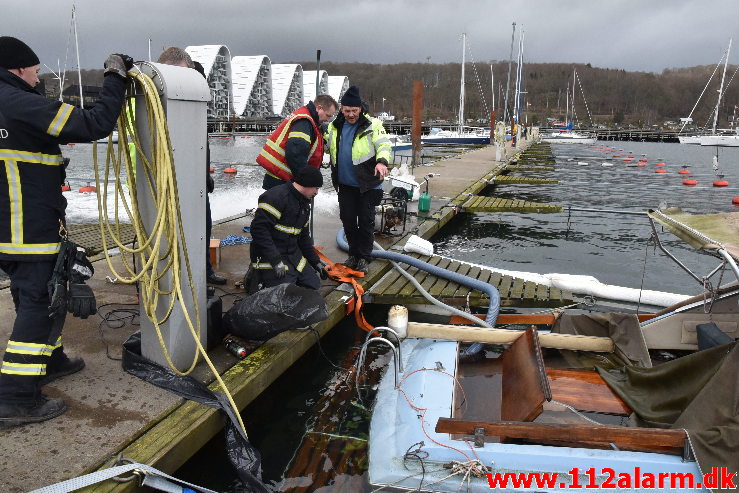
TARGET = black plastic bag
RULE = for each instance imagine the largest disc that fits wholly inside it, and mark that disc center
(270, 311)
(242, 454)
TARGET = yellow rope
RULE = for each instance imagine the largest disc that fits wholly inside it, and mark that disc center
(159, 245)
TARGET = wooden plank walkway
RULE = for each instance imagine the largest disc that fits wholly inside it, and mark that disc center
(88, 237)
(529, 168)
(478, 203)
(522, 180)
(394, 288)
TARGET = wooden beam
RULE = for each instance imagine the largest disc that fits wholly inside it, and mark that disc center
(505, 336)
(622, 437)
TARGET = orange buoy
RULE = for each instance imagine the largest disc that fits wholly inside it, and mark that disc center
(660, 170)
(87, 189)
(66, 187)
(212, 169)
(720, 183)
(71, 144)
(659, 164)
(735, 201)
(627, 160)
(690, 183)
(630, 156)
(684, 172)
(230, 171)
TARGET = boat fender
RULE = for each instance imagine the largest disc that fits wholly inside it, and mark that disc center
(397, 319)
(416, 244)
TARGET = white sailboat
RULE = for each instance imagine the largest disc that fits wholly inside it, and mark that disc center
(463, 134)
(717, 139)
(567, 136)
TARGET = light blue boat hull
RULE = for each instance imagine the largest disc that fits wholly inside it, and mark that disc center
(396, 427)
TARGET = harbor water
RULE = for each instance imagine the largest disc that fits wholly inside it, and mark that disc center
(613, 247)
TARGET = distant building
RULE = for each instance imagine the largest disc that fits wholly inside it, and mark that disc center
(287, 88)
(252, 86)
(216, 60)
(90, 94)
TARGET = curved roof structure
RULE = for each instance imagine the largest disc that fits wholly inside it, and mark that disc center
(309, 84)
(216, 60)
(337, 86)
(287, 88)
(252, 85)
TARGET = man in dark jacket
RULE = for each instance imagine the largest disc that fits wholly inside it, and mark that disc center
(282, 247)
(32, 210)
(297, 142)
(360, 152)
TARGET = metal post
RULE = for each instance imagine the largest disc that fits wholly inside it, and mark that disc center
(508, 84)
(416, 128)
(185, 96)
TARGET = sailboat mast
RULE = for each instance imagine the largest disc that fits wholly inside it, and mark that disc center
(573, 96)
(461, 87)
(721, 88)
(567, 104)
(508, 84)
(519, 77)
(77, 47)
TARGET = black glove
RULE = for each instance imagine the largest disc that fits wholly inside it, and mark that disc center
(81, 301)
(118, 63)
(280, 269)
(58, 298)
(321, 269)
(80, 268)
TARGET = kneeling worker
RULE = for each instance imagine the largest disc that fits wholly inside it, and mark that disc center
(282, 247)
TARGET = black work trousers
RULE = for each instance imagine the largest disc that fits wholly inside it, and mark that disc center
(35, 341)
(357, 213)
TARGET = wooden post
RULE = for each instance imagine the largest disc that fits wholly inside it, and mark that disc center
(416, 128)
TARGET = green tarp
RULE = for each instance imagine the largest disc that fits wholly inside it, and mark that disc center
(698, 393)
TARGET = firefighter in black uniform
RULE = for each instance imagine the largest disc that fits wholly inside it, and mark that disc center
(32, 209)
(282, 247)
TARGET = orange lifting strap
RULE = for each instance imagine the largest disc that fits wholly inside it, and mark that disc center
(342, 273)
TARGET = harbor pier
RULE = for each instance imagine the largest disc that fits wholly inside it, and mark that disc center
(111, 413)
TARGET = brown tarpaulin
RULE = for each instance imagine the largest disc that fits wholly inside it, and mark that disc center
(698, 392)
(622, 328)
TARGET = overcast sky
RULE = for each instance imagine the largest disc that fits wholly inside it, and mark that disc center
(646, 35)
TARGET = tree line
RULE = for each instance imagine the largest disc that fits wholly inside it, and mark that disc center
(604, 95)
(611, 95)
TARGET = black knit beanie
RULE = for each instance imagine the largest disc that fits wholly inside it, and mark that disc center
(308, 176)
(351, 97)
(14, 53)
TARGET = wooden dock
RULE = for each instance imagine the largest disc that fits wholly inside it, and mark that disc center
(396, 289)
(111, 412)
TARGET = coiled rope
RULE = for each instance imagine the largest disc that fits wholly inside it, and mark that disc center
(158, 250)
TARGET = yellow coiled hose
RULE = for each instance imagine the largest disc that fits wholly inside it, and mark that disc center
(162, 243)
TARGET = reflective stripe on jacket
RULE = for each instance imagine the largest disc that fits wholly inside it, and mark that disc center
(272, 157)
(31, 162)
(369, 147)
